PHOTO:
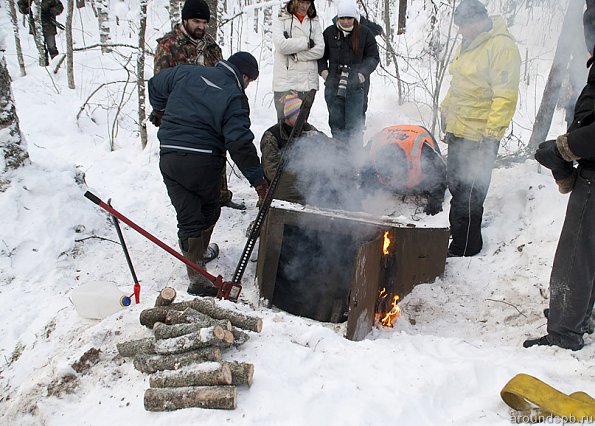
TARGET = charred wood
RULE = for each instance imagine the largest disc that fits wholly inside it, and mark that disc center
(147, 363)
(169, 399)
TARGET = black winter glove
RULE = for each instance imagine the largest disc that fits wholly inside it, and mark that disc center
(548, 156)
(433, 207)
(311, 44)
(285, 34)
(155, 117)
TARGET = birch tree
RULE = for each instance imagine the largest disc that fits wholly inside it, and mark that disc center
(69, 44)
(12, 12)
(140, 74)
(35, 24)
(12, 145)
(102, 7)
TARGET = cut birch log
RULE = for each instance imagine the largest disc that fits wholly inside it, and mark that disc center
(163, 331)
(194, 317)
(239, 337)
(242, 373)
(166, 297)
(152, 363)
(237, 319)
(149, 317)
(204, 374)
(211, 336)
(169, 399)
(136, 347)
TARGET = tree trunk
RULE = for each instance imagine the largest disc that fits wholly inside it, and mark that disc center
(12, 12)
(69, 44)
(543, 120)
(214, 22)
(103, 22)
(11, 140)
(35, 25)
(148, 363)
(174, 13)
(166, 297)
(204, 374)
(140, 75)
(402, 17)
(169, 399)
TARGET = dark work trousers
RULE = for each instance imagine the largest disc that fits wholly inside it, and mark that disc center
(346, 115)
(572, 282)
(193, 183)
(469, 171)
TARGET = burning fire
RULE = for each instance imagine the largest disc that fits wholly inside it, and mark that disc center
(387, 319)
(386, 243)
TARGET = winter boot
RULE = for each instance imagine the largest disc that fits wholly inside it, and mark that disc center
(193, 250)
(212, 250)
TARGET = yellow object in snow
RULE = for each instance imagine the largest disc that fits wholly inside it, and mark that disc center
(524, 392)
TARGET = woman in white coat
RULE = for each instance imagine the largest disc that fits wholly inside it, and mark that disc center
(298, 41)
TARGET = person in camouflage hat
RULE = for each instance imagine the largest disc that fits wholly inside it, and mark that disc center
(189, 43)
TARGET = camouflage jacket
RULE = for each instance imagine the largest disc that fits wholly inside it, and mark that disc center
(176, 48)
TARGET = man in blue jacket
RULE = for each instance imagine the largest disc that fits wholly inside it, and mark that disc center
(206, 113)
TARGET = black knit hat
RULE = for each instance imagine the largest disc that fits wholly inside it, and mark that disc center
(196, 9)
(245, 63)
(469, 11)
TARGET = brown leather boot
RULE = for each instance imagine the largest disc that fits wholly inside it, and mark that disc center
(199, 284)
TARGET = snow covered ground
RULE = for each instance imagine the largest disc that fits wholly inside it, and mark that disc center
(458, 341)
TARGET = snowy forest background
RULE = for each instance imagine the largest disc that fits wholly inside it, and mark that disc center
(82, 125)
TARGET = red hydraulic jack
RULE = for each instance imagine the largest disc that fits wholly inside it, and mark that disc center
(225, 290)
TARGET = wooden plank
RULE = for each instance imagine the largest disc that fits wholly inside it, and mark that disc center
(364, 290)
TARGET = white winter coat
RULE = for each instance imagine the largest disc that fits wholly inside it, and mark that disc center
(295, 66)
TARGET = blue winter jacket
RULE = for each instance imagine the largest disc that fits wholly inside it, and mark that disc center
(206, 113)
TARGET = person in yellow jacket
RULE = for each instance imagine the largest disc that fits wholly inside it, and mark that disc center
(476, 111)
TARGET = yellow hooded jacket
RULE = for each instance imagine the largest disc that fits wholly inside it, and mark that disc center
(484, 88)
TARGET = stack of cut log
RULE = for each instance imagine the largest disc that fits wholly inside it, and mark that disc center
(184, 355)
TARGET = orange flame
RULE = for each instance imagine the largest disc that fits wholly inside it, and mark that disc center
(386, 243)
(392, 315)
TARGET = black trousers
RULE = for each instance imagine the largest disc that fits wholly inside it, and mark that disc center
(193, 183)
(469, 172)
(572, 282)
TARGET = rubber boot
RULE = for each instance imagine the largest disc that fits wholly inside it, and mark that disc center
(199, 284)
(212, 249)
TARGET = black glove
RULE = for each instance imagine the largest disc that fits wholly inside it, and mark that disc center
(311, 44)
(155, 117)
(433, 207)
(548, 156)
(285, 34)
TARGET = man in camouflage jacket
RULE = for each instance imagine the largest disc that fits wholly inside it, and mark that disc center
(190, 44)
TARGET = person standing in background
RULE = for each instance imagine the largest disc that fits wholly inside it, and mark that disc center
(350, 56)
(297, 37)
(476, 111)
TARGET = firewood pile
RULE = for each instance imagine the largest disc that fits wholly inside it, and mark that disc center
(184, 357)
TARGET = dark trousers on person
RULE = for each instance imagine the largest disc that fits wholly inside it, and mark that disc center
(193, 183)
(572, 282)
(469, 171)
(346, 114)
